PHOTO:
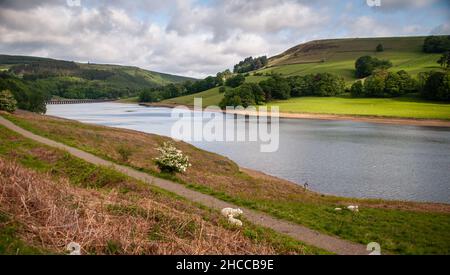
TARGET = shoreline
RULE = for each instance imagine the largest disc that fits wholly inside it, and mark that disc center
(334, 117)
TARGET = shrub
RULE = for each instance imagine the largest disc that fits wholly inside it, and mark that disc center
(7, 101)
(171, 159)
(222, 89)
(380, 48)
(124, 152)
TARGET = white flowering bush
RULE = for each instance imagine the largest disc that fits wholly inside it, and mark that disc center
(171, 159)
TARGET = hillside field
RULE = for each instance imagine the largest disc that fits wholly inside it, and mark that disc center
(338, 56)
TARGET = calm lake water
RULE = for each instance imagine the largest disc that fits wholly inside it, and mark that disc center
(343, 158)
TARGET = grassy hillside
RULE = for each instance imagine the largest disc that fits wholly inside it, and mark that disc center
(338, 56)
(78, 80)
(129, 75)
(402, 227)
(43, 188)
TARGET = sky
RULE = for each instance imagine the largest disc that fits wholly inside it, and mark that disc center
(201, 37)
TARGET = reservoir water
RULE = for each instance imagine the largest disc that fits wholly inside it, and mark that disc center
(345, 158)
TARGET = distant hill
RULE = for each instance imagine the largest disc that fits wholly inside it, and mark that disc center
(337, 56)
(120, 76)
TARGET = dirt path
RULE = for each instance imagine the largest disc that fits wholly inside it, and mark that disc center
(298, 232)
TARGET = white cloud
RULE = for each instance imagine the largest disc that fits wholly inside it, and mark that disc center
(185, 36)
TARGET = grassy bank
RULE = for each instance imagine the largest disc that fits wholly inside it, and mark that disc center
(402, 107)
(401, 227)
(42, 188)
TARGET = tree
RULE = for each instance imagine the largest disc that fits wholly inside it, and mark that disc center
(392, 86)
(437, 86)
(406, 82)
(326, 84)
(436, 44)
(245, 95)
(250, 64)
(223, 76)
(357, 89)
(380, 48)
(7, 101)
(366, 65)
(375, 84)
(149, 96)
(444, 61)
(235, 81)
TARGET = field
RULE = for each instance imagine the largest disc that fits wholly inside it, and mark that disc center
(402, 107)
(400, 227)
(338, 57)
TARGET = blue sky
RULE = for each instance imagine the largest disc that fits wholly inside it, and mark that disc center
(202, 37)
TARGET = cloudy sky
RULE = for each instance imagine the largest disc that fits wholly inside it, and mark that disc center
(200, 37)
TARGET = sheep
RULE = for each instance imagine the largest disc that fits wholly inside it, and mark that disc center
(353, 208)
(230, 211)
(234, 221)
(338, 209)
(74, 248)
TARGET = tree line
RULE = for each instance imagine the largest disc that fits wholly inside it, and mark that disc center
(278, 87)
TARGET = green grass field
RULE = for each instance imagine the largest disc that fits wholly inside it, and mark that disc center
(404, 107)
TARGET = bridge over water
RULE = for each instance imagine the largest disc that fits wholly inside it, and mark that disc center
(76, 101)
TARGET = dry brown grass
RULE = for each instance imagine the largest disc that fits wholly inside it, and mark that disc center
(54, 213)
(208, 169)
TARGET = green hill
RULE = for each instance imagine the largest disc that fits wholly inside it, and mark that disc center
(79, 80)
(335, 56)
(338, 56)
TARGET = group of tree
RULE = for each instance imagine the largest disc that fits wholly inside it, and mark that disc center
(366, 65)
(435, 85)
(225, 78)
(384, 84)
(28, 95)
(436, 44)
(251, 64)
(277, 87)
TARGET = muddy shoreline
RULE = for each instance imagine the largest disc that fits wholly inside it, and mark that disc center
(367, 119)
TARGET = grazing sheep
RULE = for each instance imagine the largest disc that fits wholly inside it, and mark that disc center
(353, 208)
(230, 211)
(338, 209)
(74, 248)
(234, 221)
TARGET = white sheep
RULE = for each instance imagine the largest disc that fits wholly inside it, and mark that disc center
(230, 211)
(74, 248)
(338, 209)
(234, 221)
(353, 208)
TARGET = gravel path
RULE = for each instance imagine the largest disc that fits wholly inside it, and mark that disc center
(298, 232)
